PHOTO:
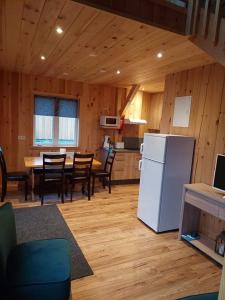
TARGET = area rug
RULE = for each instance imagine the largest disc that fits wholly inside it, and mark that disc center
(47, 222)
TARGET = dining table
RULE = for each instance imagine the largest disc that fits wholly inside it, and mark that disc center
(33, 162)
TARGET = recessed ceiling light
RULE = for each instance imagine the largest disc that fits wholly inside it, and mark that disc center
(159, 55)
(92, 55)
(102, 70)
(59, 30)
(118, 72)
(43, 57)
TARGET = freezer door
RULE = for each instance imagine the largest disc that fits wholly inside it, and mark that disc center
(150, 192)
(154, 147)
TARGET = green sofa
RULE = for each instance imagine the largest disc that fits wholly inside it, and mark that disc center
(209, 296)
(37, 270)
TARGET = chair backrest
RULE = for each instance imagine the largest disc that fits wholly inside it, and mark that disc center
(7, 237)
(54, 163)
(68, 154)
(82, 163)
(3, 164)
(109, 161)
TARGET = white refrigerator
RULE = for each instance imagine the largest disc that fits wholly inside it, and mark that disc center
(165, 167)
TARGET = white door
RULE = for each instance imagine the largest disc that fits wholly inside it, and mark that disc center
(150, 192)
(154, 147)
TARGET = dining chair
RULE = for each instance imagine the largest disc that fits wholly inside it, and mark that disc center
(53, 173)
(80, 173)
(105, 173)
(11, 176)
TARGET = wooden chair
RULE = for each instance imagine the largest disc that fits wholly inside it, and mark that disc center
(11, 176)
(53, 174)
(80, 173)
(106, 172)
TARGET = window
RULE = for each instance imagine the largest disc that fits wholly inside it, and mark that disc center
(56, 121)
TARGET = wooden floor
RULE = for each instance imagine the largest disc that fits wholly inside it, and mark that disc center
(129, 260)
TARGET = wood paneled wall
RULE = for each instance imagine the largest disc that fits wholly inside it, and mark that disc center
(206, 85)
(16, 112)
(150, 109)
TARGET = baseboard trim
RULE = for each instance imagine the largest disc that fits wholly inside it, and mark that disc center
(125, 181)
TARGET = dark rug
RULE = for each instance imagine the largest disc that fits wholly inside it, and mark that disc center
(47, 222)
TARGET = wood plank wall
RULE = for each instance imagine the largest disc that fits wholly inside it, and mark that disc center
(16, 112)
(150, 110)
(207, 120)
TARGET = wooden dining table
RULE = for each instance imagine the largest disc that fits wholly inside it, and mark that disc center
(37, 162)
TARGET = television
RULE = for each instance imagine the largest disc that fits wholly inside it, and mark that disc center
(219, 173)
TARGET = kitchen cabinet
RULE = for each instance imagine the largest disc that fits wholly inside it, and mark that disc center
(125, 167)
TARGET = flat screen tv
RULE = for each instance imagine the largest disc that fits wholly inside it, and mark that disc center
(219, 173)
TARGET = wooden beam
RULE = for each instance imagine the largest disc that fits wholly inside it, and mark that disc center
(159, 13)
(130, 97)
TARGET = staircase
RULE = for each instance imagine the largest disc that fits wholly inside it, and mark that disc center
(206, 26)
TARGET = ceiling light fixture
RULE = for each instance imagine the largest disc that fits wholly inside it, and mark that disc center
(118, 72)
(92, 55)
(159, 55)
(102, 70)
(59, 30)
(43, 57)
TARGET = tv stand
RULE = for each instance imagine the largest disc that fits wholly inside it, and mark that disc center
(196, 198)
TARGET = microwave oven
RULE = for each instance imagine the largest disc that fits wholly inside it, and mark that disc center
(109, 121)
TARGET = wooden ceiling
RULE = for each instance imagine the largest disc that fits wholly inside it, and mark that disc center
(93, 46)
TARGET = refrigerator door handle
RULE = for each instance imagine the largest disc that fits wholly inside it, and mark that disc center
(141, 148)
(140, 165)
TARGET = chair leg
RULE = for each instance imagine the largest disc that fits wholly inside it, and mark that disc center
(66, 187)
(103, 182)
(4, 190)
(26, 189)
(89, 189)
(42, 198)
(62, 192)
(93, 185)
(71, 191)
(83, 188)
(42, 193)
(109, 183)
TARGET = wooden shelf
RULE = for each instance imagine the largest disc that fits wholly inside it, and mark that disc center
(198, 198)
(206, 245)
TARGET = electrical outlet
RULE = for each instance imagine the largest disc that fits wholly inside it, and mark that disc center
(21, 137)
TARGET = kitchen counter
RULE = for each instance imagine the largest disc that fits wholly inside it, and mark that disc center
(125, 167)
(126, 150)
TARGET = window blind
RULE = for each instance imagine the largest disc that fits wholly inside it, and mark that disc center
(68, 108)
(44, 106)
(48, 106)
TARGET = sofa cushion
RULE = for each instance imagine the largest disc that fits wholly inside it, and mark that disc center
(209, 296)
(7, 237)
(39, 270)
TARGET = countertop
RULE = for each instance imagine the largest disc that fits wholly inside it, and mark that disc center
(125, 150)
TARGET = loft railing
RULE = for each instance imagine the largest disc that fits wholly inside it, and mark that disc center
(206, 26)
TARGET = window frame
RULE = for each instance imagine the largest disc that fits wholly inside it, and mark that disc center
(56, 123)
